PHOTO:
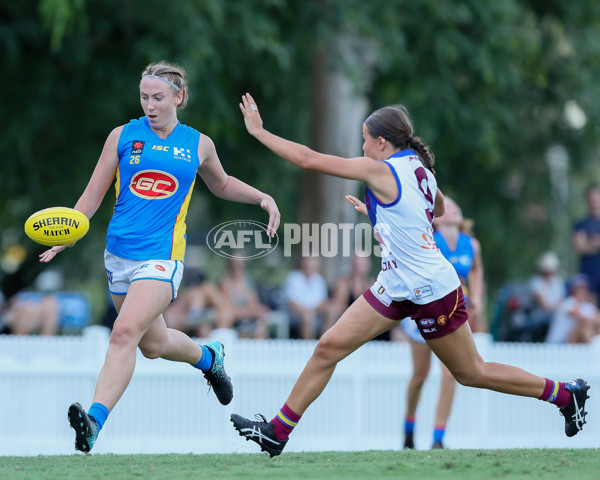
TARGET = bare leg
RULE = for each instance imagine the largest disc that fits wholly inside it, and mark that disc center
(458, 352)
(446, 398)
(421, 361)
(169, 343)
(144, 302)
(308, 324)
(359, 324)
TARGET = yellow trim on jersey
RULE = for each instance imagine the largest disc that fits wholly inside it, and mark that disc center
(117, 184)
(178, 248)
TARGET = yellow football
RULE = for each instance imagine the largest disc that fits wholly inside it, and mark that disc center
(57, 226)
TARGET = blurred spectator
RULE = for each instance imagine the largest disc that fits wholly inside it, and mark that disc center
(199, 307)
(250, 316)
(46, 310)
(586, 240)
(524, 310)
(577, 319)
(548, 291)
(33, 312)
(307, 297)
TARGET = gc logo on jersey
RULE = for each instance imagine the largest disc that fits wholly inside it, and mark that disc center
(153, 184)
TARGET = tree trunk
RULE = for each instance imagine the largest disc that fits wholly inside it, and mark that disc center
(338, 111)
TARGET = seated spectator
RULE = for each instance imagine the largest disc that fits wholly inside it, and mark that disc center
(199, 307)
(250, 316)
(307, 298)
(46, 310)
(577, 320)
(33, 313)
(548, 291)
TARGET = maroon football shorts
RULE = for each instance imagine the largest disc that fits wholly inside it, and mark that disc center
(434, 319)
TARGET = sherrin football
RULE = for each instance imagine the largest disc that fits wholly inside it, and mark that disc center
(57, 226)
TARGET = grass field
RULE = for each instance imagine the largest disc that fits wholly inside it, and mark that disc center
(581, 464)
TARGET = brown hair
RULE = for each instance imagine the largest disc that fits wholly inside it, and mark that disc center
(172, 73)
(393, 123)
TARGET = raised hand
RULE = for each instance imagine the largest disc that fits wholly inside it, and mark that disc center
(359, 206)
(251, 116)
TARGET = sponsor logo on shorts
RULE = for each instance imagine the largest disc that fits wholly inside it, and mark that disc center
(442, 320)
(380, 290)
(109, 275)
(160, 268)
(429, 330)
(427, 322)
(153, 184)
(137, 147)
(422, 292)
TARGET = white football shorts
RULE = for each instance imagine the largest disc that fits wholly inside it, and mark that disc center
(121, 272)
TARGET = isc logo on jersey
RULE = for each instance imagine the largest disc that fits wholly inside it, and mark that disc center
(153, 184)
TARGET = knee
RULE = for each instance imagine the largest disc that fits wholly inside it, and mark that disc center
(123, 336)
(151, 351)
(327, 349)
(469, 377)
(418, 378)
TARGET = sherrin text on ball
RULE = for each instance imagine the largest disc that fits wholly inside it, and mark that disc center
(57, 226)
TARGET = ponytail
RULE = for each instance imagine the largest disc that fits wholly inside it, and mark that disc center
(393, 123)
(422, 150)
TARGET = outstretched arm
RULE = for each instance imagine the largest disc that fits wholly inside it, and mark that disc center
(230, 188)
(359, 168)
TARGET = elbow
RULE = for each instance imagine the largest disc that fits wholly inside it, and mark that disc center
(219, 190)
(304, 162)
(306, 159)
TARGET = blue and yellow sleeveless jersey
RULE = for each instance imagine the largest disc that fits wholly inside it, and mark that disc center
(461, 257)
(154, 184)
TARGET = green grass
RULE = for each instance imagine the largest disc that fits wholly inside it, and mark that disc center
(581, 464)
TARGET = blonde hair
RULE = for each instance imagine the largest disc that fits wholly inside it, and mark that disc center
(172, 74)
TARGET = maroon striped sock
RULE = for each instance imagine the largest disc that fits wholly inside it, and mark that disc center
(284, 422)
(556, 393)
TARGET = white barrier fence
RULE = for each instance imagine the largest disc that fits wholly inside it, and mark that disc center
(168, 409)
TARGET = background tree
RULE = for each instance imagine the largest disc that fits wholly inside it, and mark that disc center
(501, 90)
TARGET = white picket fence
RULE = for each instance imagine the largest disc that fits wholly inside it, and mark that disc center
(168, 409)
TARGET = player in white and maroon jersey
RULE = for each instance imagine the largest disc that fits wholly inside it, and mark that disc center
(415, 280)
